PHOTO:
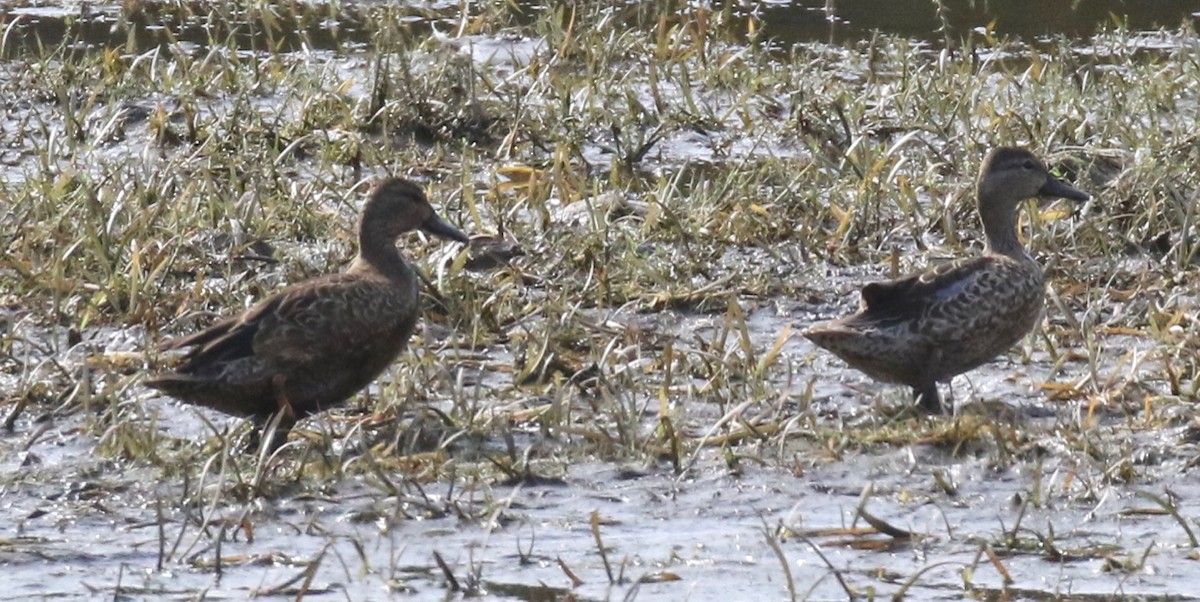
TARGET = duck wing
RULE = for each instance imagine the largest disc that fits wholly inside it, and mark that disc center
(304, 323)
(935, 292)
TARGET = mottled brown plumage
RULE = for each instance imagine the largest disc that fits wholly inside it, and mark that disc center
(315, 343)
(930, 327)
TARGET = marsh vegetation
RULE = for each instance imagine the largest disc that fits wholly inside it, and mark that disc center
(607, 396)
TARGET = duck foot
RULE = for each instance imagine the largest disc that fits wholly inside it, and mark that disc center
(275, 426)
(928, 399)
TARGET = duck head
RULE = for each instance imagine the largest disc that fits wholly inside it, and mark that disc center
(397, 206)
(1008, 176)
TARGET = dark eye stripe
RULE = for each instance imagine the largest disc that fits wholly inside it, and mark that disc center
(1022, 164)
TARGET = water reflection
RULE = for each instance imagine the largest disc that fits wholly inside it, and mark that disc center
(288, 27)
(842, 20)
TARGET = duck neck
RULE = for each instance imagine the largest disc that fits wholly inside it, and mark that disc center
(377, 253)
(1000, 229)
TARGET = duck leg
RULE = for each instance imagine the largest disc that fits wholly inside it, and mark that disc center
(278, 387)
(926, 396)
(277, 424)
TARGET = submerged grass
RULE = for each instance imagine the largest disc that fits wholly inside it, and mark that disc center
(682, 194)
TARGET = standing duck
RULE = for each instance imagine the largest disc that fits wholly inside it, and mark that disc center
(317, 342)
(930, 327)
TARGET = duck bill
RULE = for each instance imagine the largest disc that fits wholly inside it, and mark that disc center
(1057, 189)
(439, 227)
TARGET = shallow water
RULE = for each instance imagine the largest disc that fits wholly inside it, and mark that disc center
(305, 26)
(706, 534)
(76, 518)
(848, 20)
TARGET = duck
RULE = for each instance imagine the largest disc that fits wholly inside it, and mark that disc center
(312, 345)
(929, 327)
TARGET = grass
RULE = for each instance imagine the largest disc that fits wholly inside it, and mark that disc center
(680, 188)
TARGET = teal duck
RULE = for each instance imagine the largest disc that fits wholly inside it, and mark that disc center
(930, 327)
(315, 343)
